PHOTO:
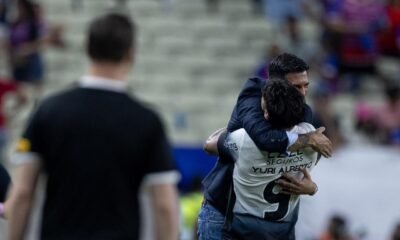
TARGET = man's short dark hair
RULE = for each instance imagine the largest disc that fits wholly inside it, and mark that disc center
(284, 104)
(110, 38)
(284, 64)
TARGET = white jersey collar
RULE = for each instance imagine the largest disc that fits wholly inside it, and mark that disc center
(89, 81)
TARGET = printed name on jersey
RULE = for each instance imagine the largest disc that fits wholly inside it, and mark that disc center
(284, 169)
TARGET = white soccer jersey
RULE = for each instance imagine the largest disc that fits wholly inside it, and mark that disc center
(256, 171)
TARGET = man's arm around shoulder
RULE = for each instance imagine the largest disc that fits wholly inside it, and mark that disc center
(316, 140)
(211, 144)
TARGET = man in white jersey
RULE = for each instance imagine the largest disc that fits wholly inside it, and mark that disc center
(262, 210)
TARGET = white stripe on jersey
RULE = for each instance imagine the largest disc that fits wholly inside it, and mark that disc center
(255, 173)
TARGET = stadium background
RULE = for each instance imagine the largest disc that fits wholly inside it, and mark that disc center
(190, 66)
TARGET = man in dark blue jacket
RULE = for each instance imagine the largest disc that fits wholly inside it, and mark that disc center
(248, 114)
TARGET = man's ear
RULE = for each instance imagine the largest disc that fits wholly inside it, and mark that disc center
(266, 116)
(264, 108)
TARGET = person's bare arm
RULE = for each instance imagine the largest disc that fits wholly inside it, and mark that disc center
(291, 185)
(210, 146)
(19, 204)
(164, 201)
(2, 211)
(316, 140)
(4, 206)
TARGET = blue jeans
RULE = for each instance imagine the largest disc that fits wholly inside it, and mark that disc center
(210, 223)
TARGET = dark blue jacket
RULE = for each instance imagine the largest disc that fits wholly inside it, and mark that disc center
(247, 114)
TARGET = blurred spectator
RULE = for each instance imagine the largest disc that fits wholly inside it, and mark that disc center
(295, 41)
(387, 117)
(382, 123)
(365, 120)
(277, 11)
(7, 86)
(326, 67)
(270, 52)
(55, 36)
(26, 35)
(396, 233)
(337, 229)
(328, 58)
(324, 115)
(354, 25)
(389, 39)
(51, 34)
(4, 6)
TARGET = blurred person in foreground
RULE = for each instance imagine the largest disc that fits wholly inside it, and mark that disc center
(381, 123)
(396, 232)
(262, 210)
(248, 114)
(97, 146)
(337, 229)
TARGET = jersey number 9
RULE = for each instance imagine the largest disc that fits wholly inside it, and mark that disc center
(281, 199)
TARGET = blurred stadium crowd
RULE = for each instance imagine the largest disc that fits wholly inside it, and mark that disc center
(194, 55)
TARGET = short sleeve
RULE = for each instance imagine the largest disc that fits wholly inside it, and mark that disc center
(161, 167)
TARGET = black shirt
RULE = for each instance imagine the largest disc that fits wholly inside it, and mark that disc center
(96, 147)
(5, 181)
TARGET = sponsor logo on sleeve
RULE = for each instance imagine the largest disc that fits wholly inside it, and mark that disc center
(23, 145)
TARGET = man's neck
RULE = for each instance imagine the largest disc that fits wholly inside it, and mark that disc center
(110, 71)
